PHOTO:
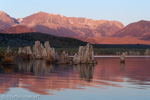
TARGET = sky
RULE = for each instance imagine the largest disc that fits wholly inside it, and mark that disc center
(125, 11)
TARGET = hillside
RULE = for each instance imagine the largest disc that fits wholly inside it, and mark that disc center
(17, 29)
(6, 21)
(138, 29)
(116, 40)
(25, 39)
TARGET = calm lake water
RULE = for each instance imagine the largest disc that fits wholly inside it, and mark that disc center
(108, 80)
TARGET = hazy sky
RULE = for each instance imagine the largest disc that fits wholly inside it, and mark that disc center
(126, 11)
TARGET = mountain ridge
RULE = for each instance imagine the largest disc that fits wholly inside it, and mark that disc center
(6, 21)
(89, 30)
(76, 26)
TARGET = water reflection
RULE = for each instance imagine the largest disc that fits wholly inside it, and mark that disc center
(122, 66)
(85, 71)
(7, 68)
(36, 67)
(39, 77)
(135, 71)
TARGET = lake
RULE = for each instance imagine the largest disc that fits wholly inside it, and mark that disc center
(108, 80)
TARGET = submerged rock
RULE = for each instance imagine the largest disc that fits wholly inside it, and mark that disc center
(85, 55)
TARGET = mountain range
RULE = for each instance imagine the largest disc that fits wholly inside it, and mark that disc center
(89, 30)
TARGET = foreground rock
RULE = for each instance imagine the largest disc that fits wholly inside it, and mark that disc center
(85, 55)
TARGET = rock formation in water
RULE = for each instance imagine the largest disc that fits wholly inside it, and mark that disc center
(20, 50)
(47, 48)
(130, 53)
(122, 57)
(50, 52)
(8, 49)
(25, 53)
(27, 50)
(54, 55)
(147, 52)
(64, 58)
(85, 55)
(40, 51)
